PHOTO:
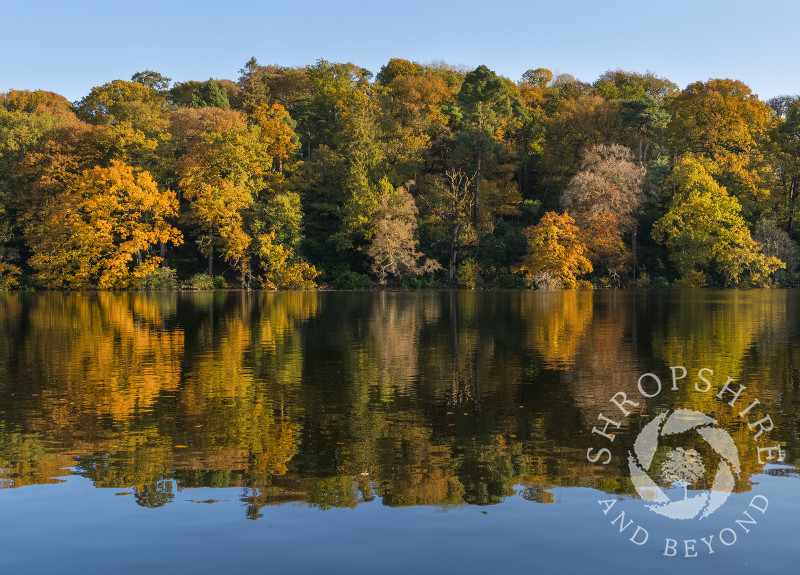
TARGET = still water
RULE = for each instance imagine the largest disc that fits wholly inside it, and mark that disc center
(425, 432)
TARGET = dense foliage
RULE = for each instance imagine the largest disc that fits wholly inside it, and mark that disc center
(422, 175)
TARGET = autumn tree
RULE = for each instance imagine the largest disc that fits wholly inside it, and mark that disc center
(120, 102)
(539, 77)
(26, 120)
(153, 80)
(136, 121)
(98, 230)
(279, 267)
(393, 249)
(398, 67)
(570, 127)
(276, 132)
(556, 256)
(218, 174)
(704, 231)
(37, 102)
(412, 121)
(722, 120)
(603, 197)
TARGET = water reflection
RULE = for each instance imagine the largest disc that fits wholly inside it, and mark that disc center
(334, 399)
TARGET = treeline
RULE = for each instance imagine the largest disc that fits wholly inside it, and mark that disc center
(422, 175)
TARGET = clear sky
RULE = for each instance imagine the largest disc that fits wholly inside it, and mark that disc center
(69, 47)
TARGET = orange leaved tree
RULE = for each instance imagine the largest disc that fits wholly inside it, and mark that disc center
(98, 230)
(556, 255)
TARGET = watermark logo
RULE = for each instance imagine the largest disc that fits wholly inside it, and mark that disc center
(683, 468)
(683, 465)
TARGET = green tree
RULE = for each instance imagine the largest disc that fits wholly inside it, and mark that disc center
(788, 142)
(20, 133)
(210, 94)
(778, 243)
(362, 149)
(619, 84)
(252, 81)
(704, 231)
(648, 118)
(483, 105)
(153, 80)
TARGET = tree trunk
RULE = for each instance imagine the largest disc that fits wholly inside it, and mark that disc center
(453, 252)
(477, 191)
(163, 250)
(633, 250)
(793, 189)
(211, 263)
(641, 146)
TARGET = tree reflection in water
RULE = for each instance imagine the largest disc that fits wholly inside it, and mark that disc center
(334, 399)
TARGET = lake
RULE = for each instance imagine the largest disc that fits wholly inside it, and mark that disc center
(400, 432)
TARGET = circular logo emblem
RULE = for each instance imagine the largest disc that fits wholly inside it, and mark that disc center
(682, 450)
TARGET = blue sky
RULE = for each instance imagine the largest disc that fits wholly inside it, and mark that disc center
(69, 47)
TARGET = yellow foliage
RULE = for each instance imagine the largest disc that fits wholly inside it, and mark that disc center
(96, 232)
(555, 249)
(279, 270)
(276, 131)
(8, 275)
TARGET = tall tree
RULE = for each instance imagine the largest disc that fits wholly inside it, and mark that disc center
(21, 132)
(788, 142)
(648, 117)
(603, 197)
(724, 121)
(483, 105)
(252, 81)
(451, 201)
(219, 174)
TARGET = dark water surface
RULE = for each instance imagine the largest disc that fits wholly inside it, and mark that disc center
(424, 432)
